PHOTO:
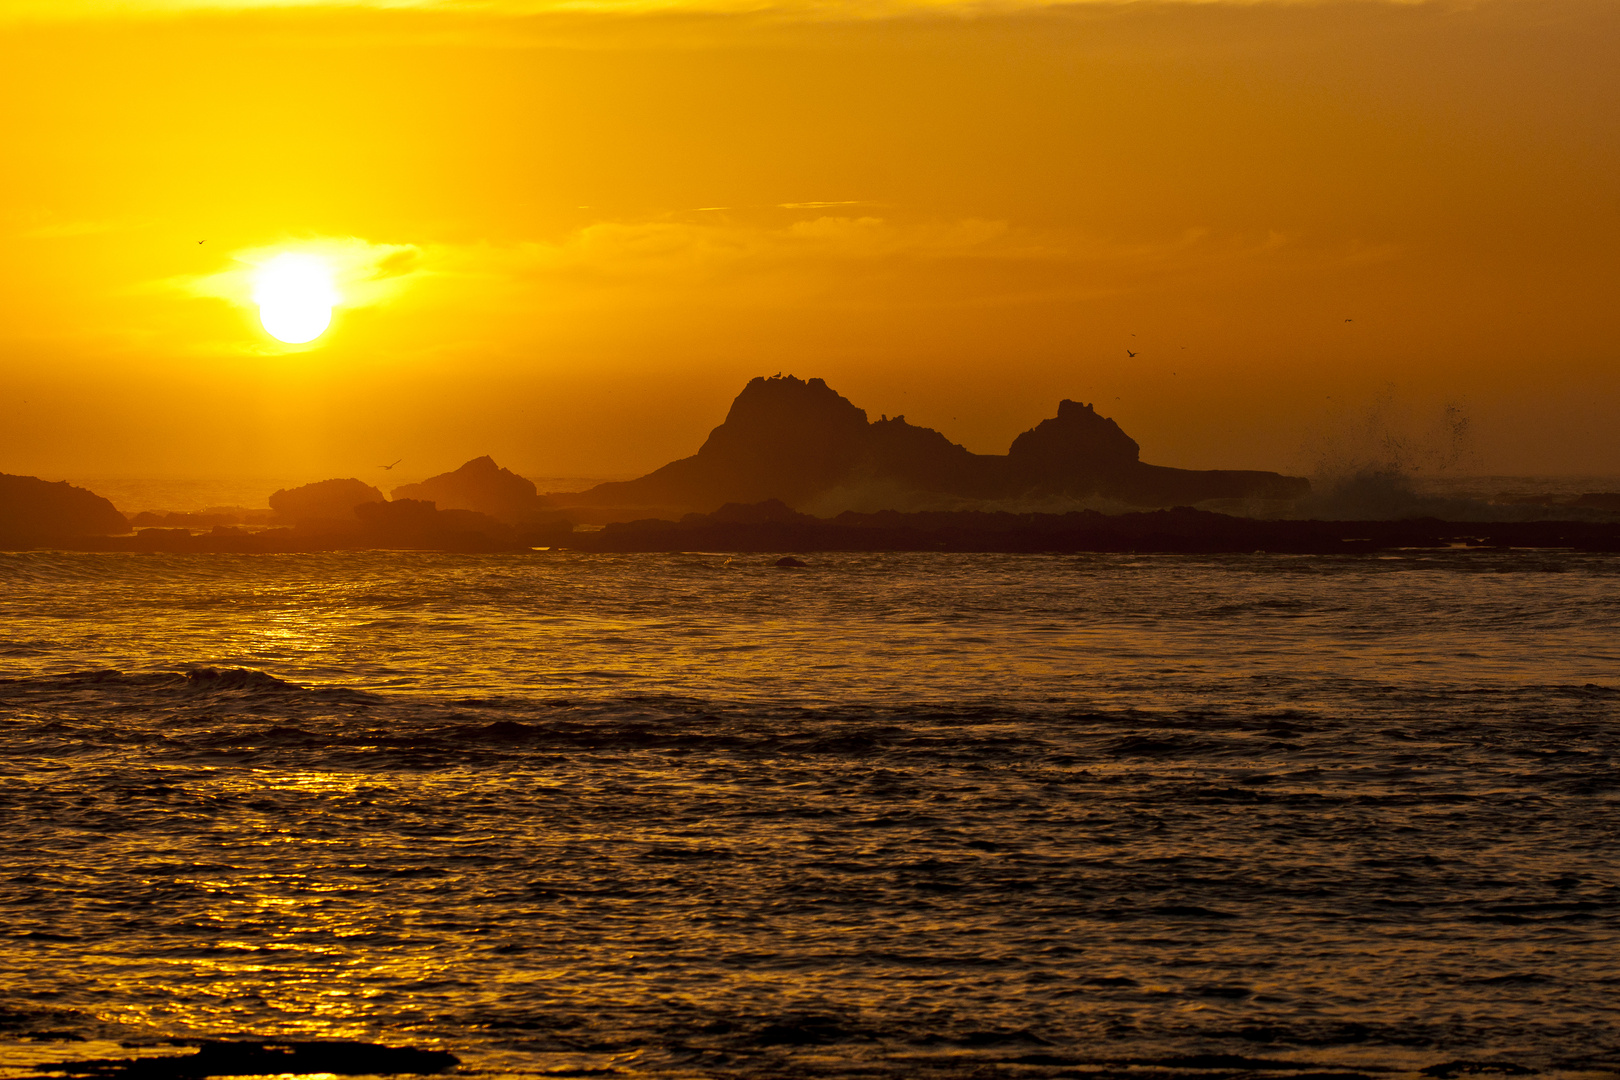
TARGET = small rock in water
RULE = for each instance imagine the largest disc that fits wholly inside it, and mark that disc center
(254, 1058)
(788, 562)
(1449, 1070)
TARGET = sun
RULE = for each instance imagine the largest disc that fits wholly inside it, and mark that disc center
(295, 295)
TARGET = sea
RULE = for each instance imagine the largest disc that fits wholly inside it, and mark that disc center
(882, 815)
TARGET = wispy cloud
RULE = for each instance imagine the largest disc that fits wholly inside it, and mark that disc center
(623, 274)
(627, 250)
(838, 262)
(364, 273)
(859, 259)
(63, 10)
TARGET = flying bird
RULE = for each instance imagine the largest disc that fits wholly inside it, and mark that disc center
(1129, 353)
(1349, 320)
(391, 466)
(202, 241)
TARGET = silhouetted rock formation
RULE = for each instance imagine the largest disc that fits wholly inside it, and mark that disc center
(479, 485)
(783, 439)
(35, 508)
(1076, 442)
(1080, 453)
(799, 441)
(324, 501)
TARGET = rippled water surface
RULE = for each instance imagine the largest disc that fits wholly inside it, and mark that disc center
(885, 815)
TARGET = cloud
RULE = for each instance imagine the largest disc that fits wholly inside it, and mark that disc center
(640, 249)
(858, 261)
(623, 251)
(615, 269)
(67, 10)
(364, 273)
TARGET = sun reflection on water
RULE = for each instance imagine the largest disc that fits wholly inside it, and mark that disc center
(1116, 811)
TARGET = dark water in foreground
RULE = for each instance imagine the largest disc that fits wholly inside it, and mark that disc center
(685, 815)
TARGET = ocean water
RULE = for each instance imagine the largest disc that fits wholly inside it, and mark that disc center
(694, 815)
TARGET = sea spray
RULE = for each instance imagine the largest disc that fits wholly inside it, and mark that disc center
(1368, 465)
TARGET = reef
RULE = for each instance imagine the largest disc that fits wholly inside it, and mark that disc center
(775, 527)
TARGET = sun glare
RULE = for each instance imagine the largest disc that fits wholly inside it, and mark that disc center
(295, 295)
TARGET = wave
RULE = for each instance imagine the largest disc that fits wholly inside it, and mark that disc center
(185, 684)
(196, 679)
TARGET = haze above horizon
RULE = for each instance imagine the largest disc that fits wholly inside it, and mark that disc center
(566, 236)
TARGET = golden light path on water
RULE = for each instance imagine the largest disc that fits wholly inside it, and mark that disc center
(653, 813)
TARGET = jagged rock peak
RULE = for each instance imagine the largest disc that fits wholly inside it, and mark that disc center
(1077, 436)
(803, 443)
(479, 485)
(483, 470)
(784, 408)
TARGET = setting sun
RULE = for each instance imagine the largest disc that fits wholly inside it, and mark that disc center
(295, 295)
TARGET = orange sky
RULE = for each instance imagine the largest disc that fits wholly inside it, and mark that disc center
(567, 234)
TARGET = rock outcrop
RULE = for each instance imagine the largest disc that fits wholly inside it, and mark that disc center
(799, 441)
(31, 508)
(330, 501)
(1081, 453)
(479, 485)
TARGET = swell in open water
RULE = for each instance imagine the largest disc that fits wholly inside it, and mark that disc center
(889, 814)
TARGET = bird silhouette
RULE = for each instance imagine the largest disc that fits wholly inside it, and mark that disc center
(390, 466)
(1349, 320)
(202, 241)
(1129, 353)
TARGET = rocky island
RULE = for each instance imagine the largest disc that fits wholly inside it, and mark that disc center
(34, 510)
(796, 467)
(801, 442)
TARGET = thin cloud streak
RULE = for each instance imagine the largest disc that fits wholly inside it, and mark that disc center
(812, 259)
(828, 263)
(365, 274)
(808, 10)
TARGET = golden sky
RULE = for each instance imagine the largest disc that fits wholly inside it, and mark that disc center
(567, 233)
